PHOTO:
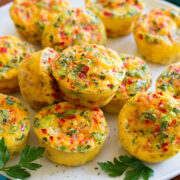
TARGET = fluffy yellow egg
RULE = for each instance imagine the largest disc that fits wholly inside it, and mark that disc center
(169, 81)
(12, 52)
(38, 86)
(30, 16)
(74, 27)
(88, 75)
(137, 79)
(71, 135)
(117, 15)
(149, 126)
(157, 35)
(14, 124)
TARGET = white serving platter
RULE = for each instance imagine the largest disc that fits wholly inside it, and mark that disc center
(112, 147)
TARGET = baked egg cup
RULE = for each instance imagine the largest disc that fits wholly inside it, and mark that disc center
(157, 35)
(118, 16)
(149, 126)
(14, 124)
(74, 26)
(38, 86)
(137, 80)
(169, 81)
(72, 135)
(12, 52)
(88, 75)
(30, 16)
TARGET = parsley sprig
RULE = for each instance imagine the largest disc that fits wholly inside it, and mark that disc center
(28, 155)
(133, 168)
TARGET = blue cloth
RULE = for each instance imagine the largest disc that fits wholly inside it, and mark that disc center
(176, 2)
(3, 178)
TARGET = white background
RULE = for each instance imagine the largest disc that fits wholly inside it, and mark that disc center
(112, 146)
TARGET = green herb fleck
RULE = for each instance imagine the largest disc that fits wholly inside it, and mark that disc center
(56, 25)
(62, 148)
(149, 115)
(147, 37)
(111, 86)
(164, 125)
(176, 110)
(155, 41)
(21, 138)
(44, 139)
(72, 132)
(9, 101)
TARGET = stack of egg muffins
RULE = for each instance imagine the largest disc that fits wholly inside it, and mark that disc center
(75, 75)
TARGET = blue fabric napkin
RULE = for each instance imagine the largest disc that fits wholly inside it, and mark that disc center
(3, 177)
(176, 2)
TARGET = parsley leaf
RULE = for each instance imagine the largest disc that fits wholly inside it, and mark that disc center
(135, 168)
(113, 170)
(28, 155)
(147, 173)
(17, 172)
(32, 166)
(4, 154)
(133, 174)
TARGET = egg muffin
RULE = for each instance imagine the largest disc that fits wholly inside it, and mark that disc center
(30, 16)
(14, 124)
(157, 35)
(38, 86)
(12, 52)
(88, 75)
(118, 16)
(72, 135)
(137, 79)
(169, 81)
(149, 126)
(74, 27)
